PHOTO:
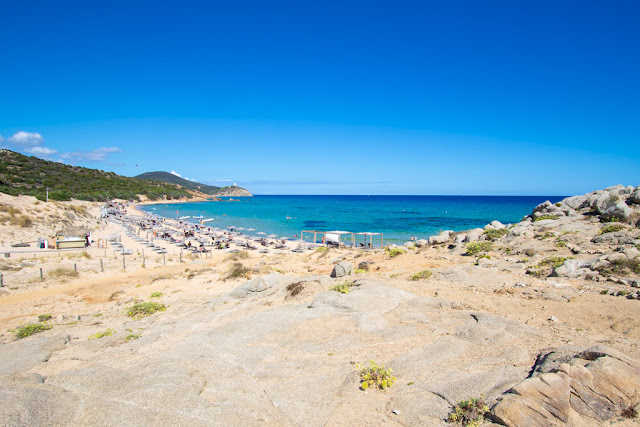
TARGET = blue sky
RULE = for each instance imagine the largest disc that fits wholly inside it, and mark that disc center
(372, 97)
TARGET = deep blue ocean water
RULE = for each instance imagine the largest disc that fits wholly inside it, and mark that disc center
(398, 217)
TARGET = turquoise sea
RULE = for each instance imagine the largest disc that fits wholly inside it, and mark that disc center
(398, 217)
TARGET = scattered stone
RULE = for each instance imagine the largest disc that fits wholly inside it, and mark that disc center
(342, 269)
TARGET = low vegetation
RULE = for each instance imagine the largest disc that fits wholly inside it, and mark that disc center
(547, 235)
(156, 295)
(144, 309)
(611, 228)
(620, 267)
(375, 375)
(421, 275)
(14, 217)
(131, 337)
(102, 334)
(469, 413)
(495, 234)
(343, 288)
(60, 273)
(475, 248)
(295, 288)
(543, 217)
(34, 328)
(238, 271)
(44, 317)
(395, 252)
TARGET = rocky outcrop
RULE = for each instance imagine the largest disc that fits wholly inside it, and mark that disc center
(596, 384)
(342, 269)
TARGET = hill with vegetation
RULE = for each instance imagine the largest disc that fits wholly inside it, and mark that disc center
(170, 178)
(25, 175)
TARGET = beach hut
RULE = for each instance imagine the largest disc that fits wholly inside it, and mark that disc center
(335, 237)
(73, 237)
(370, 236)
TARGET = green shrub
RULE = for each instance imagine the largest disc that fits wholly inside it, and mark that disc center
(543, 217)
(131, 337)
(360, 270)
(553, 261)
(343, 288)
(238, 271)
(561, 243)
(156, 294)
(611, 228)
(375, 376)
(31, 329)
(469, 413)
(63, 273)
(99, 335)
(144, 309)
(395, 252)
(621, 267)
(424, 274)
(474, 248)
(44, 317)
(496, 234)
(546, 235)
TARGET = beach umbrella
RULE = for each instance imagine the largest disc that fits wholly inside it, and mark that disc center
(261, 232)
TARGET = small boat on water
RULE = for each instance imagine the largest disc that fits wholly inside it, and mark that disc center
(184, 217)
(198, 217)
(206, 220)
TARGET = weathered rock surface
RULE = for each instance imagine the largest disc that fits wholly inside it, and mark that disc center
(342, 269)
(257, 285)
(596, 384)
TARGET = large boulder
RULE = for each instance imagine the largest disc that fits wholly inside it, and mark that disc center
(258, 285)
(342, 269)
(473, 235)
(443, 237)
(619, 211)
(421, 243)
(568, 269)
(576, 202)
(635, 196)
(596, 384)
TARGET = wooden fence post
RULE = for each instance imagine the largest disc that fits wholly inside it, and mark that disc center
(41, 276)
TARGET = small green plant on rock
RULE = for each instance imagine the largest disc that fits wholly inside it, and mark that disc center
(495, 234)
(44, 317)
(156, 294)
(343, 288)
(474, 248)
(553, 261)
(34, 328)
(375, 376)
(469, 413)
(543, 217)
(131, 337)
(424, 274)
(360, 270)
(544, 236)
(611, 228)
(145, 309)
(102, 334)
(561, 243)
(395, 252)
